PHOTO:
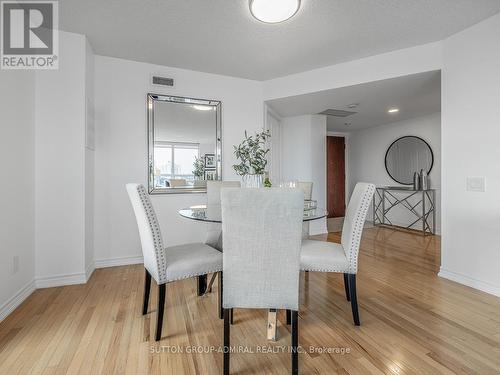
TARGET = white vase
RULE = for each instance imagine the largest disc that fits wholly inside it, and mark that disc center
(253, 180)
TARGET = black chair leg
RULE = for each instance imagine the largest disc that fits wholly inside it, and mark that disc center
(201, 286)
(288, 317)
(219, 294)
(147, 289)
(227, 328)
(346, 286)
(295, 342)
(354, 299)
(161, 309)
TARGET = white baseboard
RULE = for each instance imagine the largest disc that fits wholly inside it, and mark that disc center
(115, 262)
(89, 271)
(60, 280)
(18, 298)
(469, 281)
(83, 277)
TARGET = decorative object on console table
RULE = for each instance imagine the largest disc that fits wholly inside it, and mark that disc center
(416, 181)
(420, 203)
(424, 180)
(252, 155)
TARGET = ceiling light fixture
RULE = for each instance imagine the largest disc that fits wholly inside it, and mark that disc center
(393, 110)
(274, 11)
(202, 107)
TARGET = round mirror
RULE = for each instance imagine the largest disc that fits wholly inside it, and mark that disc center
(408, 155)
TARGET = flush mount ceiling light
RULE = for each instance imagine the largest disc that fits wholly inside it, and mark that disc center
(274, 11)
(393, 110)
(202, 107)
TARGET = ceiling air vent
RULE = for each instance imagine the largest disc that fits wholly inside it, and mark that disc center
(162, 81)
(337, 113)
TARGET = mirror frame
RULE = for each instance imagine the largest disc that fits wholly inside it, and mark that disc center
(217, 104)
(389, 148)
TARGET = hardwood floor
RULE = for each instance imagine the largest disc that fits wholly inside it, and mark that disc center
(412, 322)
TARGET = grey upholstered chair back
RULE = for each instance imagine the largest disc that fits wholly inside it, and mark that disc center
(214, 230)
(153, 249)
(354, 222)
(307, 188)
(261, 229)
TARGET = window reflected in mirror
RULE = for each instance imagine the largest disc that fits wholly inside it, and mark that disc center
(184, 144)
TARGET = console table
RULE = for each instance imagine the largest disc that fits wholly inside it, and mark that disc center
(419, 203)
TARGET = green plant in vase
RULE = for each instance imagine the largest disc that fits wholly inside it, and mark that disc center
(199, 168)
(252, 156)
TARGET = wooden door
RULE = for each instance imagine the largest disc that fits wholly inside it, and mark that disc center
(335, 176)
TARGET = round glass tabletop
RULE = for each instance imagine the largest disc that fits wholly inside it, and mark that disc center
(213, 214)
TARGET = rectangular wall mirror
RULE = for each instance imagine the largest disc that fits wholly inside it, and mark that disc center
(184, 144)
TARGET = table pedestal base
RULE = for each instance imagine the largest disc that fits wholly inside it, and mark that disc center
(271, 325)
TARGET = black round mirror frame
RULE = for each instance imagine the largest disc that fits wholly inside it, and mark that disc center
(389, 148)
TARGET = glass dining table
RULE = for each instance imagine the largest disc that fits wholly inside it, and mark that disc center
(212, 214)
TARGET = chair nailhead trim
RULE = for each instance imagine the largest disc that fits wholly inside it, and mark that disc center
(161, 261)
(218, 269)
(359, 223)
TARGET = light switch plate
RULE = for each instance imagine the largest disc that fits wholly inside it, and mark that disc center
(476, 184)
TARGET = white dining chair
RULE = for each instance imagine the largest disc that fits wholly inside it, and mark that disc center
(214, 230)
(307, 188)
(322, 256)
(261, 230)
(169, 264)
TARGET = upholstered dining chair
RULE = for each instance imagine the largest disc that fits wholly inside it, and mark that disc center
(322, 256)
(261, 230)
(166, 264)
(214, 230)
(307, 188)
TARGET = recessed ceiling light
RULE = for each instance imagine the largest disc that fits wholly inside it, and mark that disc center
(274, 11)
(202, 107)
(393, 110)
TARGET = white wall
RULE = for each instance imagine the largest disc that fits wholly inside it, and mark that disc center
(89, 160)
(304, 157)
(17, 189)
(121, 148)
(424, 58)
(60, 166)
(470, 147)
(366, 154)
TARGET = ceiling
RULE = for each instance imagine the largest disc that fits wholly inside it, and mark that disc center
(220, 36)
(415, 95)
(177, 122)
